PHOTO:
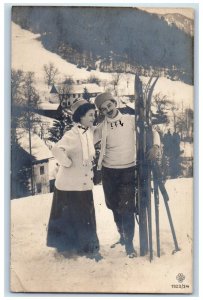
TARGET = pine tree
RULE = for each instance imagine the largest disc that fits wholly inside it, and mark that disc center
(59, 127)
(86, 94)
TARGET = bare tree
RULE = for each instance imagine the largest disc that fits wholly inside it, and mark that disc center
(31, 101)
(64, 92)
(24, 104)
(93, 79)
(189, 116)
(128, 78)
(68, 80)
(184, 123)
(17, 79)
(161, 102)
(51, 73)
(104, 83)
(17, 82)
(115, 81)
(24, 98)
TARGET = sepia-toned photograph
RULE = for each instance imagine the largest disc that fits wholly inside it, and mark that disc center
(102, 133)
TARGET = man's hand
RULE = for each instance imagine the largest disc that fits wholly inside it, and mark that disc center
(153, 153)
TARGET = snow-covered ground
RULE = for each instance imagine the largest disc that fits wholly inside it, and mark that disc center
(188, 149)
(37, 268)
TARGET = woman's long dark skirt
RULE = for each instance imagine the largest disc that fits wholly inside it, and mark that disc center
(72, 224)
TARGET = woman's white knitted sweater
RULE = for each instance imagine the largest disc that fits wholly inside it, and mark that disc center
(74, 174)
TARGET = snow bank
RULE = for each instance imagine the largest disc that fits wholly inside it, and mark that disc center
(37, 268)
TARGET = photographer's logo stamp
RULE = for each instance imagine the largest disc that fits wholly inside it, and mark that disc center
(180, 277)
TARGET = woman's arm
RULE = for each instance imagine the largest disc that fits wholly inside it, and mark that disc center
(59, 150)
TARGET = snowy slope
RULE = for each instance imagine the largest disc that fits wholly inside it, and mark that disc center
(37, 268)
(28, 54)
(178, 92)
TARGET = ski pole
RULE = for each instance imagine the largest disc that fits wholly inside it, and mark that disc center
(156, 203)
(149, 213)
(149, 217)
(166, 199)
(172, 227)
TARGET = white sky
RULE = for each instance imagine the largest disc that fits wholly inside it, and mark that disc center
(188, 12)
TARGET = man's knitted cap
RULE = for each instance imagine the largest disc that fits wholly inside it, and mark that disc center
(101, 98)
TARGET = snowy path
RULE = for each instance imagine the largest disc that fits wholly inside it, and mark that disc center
(37, 268)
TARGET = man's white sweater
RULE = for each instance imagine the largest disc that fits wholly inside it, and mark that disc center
(120, 141)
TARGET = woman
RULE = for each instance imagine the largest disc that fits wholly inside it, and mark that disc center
(72, 224)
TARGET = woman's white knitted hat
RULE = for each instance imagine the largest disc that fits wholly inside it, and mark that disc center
(77, 103)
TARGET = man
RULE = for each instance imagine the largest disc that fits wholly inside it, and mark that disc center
(118, 159)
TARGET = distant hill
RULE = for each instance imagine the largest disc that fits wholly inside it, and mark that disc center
(183, 23)
(25, 46)
(114, 35)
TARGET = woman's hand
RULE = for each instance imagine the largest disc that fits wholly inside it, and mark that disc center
(61, 156)
(67, 163)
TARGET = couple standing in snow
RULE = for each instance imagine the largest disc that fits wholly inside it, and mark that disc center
(72, 224)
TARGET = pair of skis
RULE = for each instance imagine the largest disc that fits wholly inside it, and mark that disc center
(147, 170)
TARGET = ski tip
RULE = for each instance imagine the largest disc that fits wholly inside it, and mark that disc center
(176, 250)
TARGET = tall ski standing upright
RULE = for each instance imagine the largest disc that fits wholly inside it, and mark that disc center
(141, 165)
(144, 142)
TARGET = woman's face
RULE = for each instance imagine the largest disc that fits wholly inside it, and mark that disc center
(88, 119)
(108, 109)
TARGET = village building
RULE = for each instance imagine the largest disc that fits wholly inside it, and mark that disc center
(40, 162)
(65, 94)
(50, 110)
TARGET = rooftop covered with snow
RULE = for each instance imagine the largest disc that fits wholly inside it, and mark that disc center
(38, 148)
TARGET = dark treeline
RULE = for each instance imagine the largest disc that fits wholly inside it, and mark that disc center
(125, 34)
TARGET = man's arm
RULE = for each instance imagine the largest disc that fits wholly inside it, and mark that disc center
(97, 134)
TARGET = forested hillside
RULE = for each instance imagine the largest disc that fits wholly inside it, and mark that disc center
(122, 35)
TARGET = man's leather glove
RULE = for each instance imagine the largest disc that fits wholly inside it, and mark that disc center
(153, 153)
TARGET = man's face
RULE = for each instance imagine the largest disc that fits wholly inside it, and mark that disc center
(108, 109)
